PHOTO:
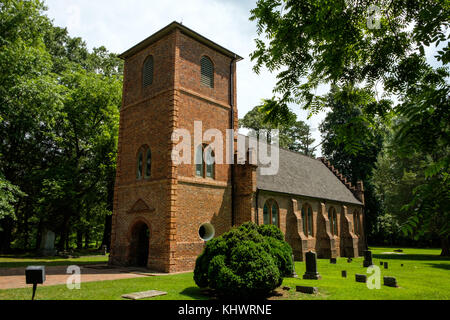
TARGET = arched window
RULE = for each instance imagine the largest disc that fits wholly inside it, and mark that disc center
(332, 217)
(199, 161)
(147, 72)
(210, 163)
(266, 214)
(304, 220)
(271, 214)
(139, 166)
(307, 217)
(275, 214)
(204, 169)
(148, 164)
(207, 72)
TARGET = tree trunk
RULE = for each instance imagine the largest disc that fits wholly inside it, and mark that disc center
(445, 246)
(6, 235)
(87, 239)
(107, 232)
(79, 239)
(38, 236)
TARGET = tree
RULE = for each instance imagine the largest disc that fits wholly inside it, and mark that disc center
(344, 43)
(59, 121)
(355, 159)
(293, 135)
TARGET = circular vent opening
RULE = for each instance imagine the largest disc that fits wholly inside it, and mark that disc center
(206, 231)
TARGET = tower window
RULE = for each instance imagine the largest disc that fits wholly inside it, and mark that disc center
(207, 72)
(144, 167)
(147, 72)
(205, 169)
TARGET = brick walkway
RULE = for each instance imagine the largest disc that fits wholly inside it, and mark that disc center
(15, 277)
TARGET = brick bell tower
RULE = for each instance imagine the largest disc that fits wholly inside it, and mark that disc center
(163, 212)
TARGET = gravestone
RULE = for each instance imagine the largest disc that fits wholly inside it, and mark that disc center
(349, 260)
(311, 267)
(360, 278)
(381, 263)
(333, 260)
(402, 264)
(390, 282)
(385, 265)
(309, 290)
(47, 247)
(367, 258)
(344, 274)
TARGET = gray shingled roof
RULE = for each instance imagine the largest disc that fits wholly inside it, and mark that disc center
(305, 176)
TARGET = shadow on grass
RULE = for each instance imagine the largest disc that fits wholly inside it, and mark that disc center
(417, 257)
(439, 266)
(195, 293)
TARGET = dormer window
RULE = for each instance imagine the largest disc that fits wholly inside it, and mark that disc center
(147, 72)
(207, 72)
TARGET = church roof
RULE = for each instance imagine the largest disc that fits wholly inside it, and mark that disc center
(305, 176)
(191, 33)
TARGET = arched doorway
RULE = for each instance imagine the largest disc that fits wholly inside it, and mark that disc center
(140, 237)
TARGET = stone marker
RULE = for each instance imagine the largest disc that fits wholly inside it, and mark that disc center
(294, 274)
(333, 260)
(402, 264)
(385, 265)
(144, 294)
(367, 258)
(47, 246)
(309, 290)
(311, 267)
(344, 274)
(349, 260)
(390, 282)
(360, 278)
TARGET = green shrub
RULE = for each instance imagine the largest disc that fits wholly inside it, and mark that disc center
(248, 261)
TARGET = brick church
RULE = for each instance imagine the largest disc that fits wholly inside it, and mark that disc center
(164, 212)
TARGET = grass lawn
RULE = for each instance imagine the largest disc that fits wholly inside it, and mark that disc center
(425, 275)
(9, 261)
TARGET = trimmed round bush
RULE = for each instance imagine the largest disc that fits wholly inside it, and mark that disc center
(246, 262)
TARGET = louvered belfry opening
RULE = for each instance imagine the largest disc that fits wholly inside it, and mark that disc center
(147, 76)
(207, 72)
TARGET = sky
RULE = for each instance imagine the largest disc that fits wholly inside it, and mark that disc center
(120, 24)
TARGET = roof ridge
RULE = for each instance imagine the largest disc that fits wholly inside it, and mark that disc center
(358, 190)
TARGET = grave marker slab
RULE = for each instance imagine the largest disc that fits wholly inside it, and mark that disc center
(309, 290)
(360, 278)
(144, 294)
(344, 274)
(333, 261)
(385, 265)
(390, 282)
